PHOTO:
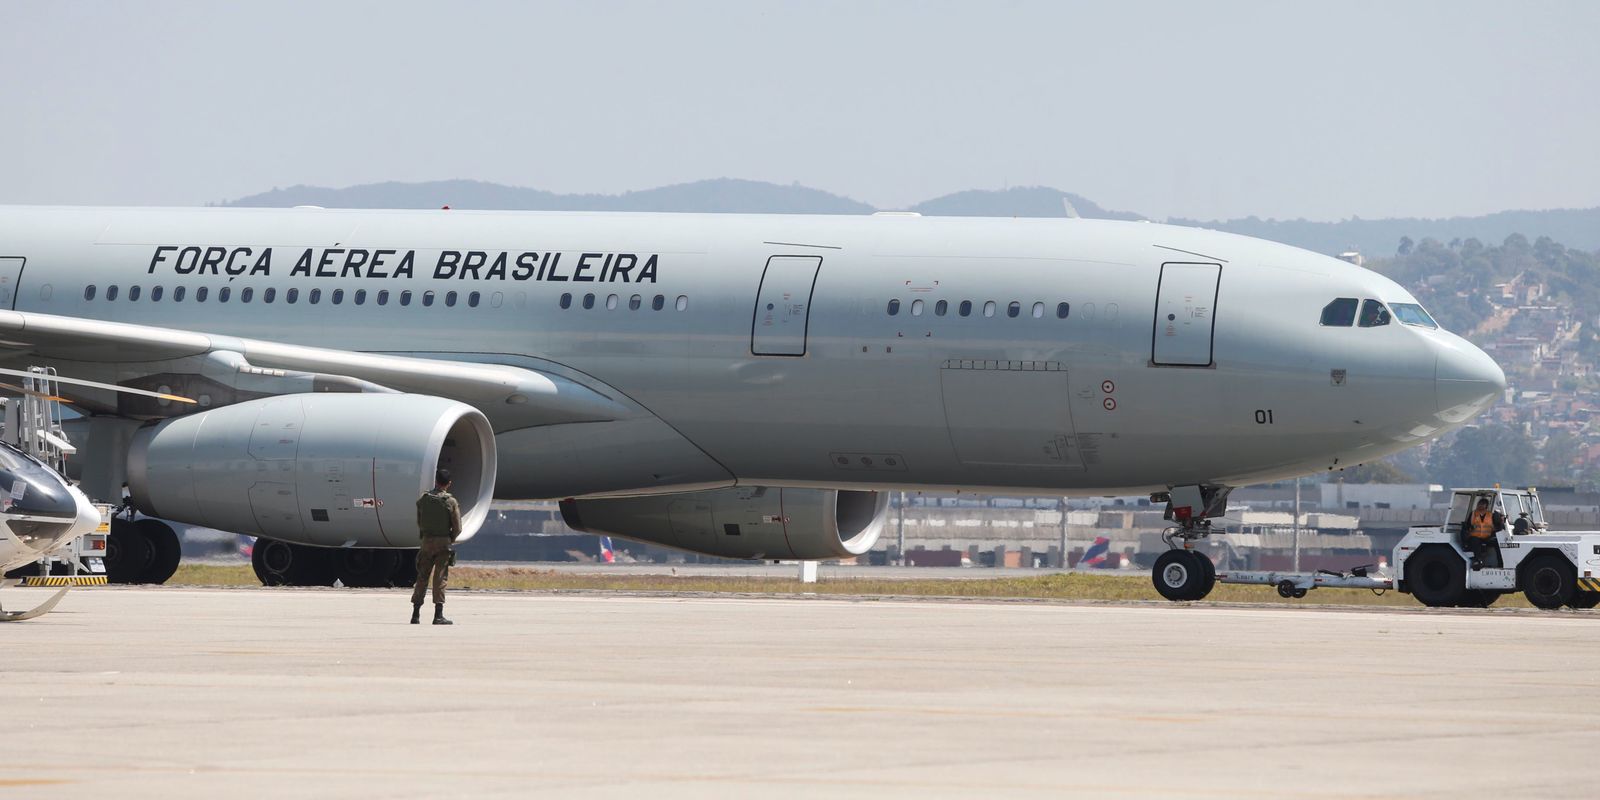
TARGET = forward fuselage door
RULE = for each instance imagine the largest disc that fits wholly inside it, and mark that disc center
(1186, 302)
(783, 306)
(10, 275)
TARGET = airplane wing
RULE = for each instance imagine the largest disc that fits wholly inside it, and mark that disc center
(229, 369)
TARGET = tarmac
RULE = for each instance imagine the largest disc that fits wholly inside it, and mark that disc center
(161, 693)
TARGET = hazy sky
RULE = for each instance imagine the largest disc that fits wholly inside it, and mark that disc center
(1200, 109)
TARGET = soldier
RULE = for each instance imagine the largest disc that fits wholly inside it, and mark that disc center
(439, 520)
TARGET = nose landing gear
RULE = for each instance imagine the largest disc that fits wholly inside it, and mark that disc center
(1184, 573)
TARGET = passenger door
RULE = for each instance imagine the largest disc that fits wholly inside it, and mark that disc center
(783, 306)
(1186, 300)
(10, 276)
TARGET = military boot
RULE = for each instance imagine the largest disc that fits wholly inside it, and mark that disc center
(416, 613)
(438, 615)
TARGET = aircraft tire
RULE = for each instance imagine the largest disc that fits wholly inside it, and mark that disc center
(405, 568)
(1437, 576)
(279, 563)
(1178, 577)
(1548, 581)
(365, 567)
(129, 553)
(1585, 600)
(267, 572)
(165, 550)
(1209, 569)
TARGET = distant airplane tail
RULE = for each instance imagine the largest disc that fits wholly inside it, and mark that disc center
(607, 555)
(1095, 556)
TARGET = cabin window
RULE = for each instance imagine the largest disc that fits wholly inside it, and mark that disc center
(566, 300)
(200, 294)
(223, 294)
(155, 294)
(611, 302)
(427, 298)
(941, 307)
(133, 294)
(405, 297)
(269, 294)
(588, 301)
(988, 308)
(244, 294)
(495, 300)
(1062, 309)
(292, 296)
(314, 297)
(88, 292)
(659, 303)
(1014, 309)
(683, 302)
(361, 297)
(473, 298)
(177, 294)
(966, 308)
(383, 297)
(1373, 314)
(450, 299)
(894, 307)
(1038, 310)
(635, 302)
(1340, 313)
(916, 308)
(111, 292)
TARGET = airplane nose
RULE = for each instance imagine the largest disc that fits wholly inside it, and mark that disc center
(1466, 379)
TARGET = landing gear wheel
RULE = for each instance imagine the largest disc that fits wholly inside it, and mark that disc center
(405, 568)
(284, 564)
(1179, 575)
(1437, 576)
(1286, 590)
(1548, 581)
(129, 553)
(364, 567)
(165, 550)
(1299, 593)
(1586, 600)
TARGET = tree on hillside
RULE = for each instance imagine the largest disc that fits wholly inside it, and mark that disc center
(1484, 456)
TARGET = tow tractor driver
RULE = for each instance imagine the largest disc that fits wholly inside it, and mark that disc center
(1477, 532)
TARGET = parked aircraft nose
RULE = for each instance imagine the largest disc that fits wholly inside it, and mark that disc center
(1466, 379)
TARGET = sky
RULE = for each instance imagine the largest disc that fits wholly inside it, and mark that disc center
(1213, 110)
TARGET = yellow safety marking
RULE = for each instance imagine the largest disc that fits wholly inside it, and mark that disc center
(64, 580)
(1589, 584)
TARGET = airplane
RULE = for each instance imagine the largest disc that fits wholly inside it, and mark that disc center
(1095, 556)
(607, 555)
(743, 386)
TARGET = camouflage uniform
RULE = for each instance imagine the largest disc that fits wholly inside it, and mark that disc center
(439, 520)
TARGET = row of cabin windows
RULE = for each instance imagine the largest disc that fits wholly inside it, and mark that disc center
(358, 297)
(1344, 312)
(635, 302)
(990, 307)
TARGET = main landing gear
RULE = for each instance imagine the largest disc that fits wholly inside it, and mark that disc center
(279, 563)
(141, 551)
(1183, 573)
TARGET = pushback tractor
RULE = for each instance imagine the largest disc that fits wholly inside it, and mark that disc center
(1442, 566)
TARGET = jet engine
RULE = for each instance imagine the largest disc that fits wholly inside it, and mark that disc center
(325, 469)
(742, 522)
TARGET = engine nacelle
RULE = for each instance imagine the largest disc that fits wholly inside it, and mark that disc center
(322, 469)
(742, 522)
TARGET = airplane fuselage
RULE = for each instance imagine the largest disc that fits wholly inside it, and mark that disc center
(1062, 356)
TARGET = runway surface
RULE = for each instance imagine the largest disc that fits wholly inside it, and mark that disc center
(327, 693)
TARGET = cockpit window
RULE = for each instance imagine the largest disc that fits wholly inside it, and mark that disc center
(1340, 313)
(1373, 314)
(1412, 314)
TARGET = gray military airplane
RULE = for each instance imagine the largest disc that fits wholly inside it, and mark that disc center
(745, 386)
